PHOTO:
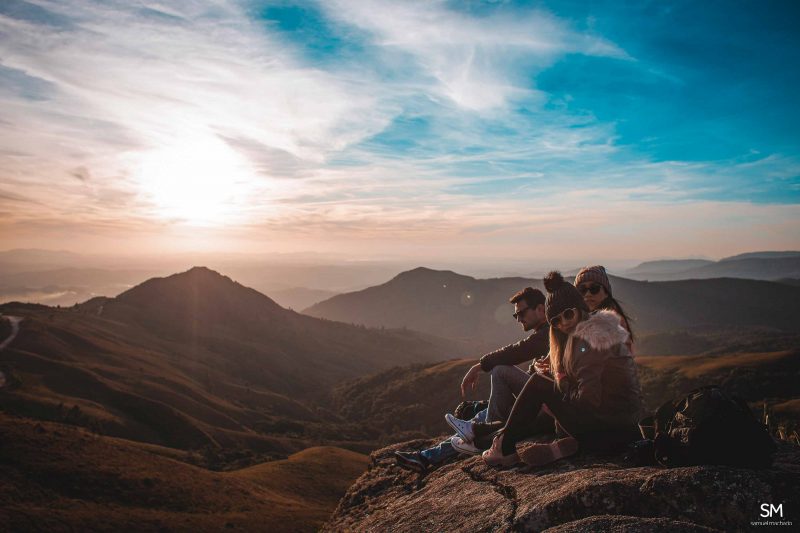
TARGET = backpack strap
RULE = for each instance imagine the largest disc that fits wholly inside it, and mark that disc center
(664, 415)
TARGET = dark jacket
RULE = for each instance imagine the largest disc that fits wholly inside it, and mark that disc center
(536, 345)
(601, 378)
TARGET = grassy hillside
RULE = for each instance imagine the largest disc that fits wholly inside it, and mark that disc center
(410, 402)
(407, 402)
(768, 377)
(196, 361)
(61, 478)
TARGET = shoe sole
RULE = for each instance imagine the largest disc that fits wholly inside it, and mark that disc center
(410, 465)
(540, 454)
(506, 460)
(467, 451)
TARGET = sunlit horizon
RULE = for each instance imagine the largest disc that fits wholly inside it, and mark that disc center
(423, 132)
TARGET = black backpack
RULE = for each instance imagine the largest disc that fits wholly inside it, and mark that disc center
(468, 409)
(709, 426)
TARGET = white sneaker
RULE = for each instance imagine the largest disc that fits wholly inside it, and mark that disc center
(462, 427)
(461, 446)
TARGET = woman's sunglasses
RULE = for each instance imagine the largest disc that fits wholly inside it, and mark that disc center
(594, 288)
(566, 314)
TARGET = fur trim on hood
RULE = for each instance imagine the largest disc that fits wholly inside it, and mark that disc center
(602, 330)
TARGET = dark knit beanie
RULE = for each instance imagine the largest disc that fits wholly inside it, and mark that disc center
(596, 274)
(561, 295)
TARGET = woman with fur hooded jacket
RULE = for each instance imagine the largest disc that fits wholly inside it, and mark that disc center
(596, 387)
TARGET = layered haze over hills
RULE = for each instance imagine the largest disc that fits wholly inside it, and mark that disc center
(217, 360)
(300, 281)
(458, 306)
(755, 265)
(293, 280)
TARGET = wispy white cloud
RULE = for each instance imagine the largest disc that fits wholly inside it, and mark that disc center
(123, 118)
(480, 62)
(129, 79)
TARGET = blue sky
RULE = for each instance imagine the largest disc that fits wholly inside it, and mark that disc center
(419, 129)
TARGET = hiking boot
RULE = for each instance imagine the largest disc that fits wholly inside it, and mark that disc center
(462, 446)
(462, 427)
(412, 461)
(544, 453)
(494, 455)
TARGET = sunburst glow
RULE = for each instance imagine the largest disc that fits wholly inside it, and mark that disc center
(200, 181)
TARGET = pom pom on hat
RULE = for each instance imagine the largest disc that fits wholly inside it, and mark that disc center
(561, 295)
(553, 280)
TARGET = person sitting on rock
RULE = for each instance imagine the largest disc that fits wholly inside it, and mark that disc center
(594, 388)
(595, 287)
(506, 380)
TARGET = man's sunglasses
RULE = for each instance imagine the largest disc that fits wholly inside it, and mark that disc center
(594, 288)
(566, 314)
(520, 313)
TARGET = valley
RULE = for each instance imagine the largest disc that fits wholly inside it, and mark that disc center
(194, 380)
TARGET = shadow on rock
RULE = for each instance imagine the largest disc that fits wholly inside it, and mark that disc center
(588, 492)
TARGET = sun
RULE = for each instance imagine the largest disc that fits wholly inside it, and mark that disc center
(200, 181)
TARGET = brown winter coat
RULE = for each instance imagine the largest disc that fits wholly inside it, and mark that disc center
(601, 378)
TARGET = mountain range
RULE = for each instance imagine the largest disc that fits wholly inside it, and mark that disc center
(66, 278)
(461, 307)
(754, 265)
(193, 391)
(197, 360)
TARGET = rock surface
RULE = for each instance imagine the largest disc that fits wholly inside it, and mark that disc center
(584, 493)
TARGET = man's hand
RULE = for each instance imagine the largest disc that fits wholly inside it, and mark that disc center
(541, 365)
(470, 379)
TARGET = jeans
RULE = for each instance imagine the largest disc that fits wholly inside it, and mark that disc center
(444, 450)
(507, 383)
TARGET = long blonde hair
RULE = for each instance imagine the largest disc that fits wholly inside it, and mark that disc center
(560, 352)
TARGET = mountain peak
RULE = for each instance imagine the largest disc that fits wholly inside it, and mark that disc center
(201, 269)
(199, 295)
(202, 272)
(197, 278)
(425, 273)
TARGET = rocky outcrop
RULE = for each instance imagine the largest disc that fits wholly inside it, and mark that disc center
(585, 493)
